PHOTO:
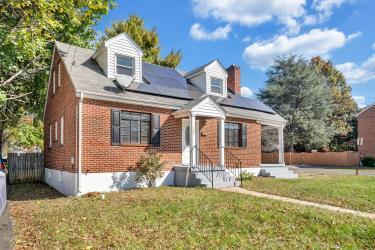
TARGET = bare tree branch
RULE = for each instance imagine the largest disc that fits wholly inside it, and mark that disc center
(19, 72)
(14, 97)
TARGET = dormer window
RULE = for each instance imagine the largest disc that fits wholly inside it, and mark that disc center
(124, 65)
(216, 85)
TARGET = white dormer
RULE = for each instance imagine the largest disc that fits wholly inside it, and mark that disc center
(120, 55)
(211, 78)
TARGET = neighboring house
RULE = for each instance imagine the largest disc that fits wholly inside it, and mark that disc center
(366, 125)
(105, 108)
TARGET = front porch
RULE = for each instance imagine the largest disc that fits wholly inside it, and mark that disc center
(217, 147)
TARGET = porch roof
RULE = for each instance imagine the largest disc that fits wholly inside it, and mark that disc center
(204, 106)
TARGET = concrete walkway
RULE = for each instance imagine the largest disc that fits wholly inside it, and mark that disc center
(299, 202)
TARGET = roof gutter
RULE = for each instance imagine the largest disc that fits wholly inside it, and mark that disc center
(125, 99)
(264, 121)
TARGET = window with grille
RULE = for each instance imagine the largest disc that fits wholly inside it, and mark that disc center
(124, 65)
(131, 127)
(216, 85)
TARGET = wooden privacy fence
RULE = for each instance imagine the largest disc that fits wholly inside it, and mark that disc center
(25, 167)
(345, 159)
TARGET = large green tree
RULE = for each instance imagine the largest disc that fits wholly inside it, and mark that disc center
(28, 29)
(148, 40)
(344, 106)
(297, 91)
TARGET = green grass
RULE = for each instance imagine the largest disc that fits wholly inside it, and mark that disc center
(178, 218)
(355, 192)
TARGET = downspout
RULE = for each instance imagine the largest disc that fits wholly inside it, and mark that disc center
(79, 143)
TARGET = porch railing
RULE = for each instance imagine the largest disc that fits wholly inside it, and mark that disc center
(233, 164)
(203, 164)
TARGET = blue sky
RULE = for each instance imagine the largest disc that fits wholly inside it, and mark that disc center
(250, 33)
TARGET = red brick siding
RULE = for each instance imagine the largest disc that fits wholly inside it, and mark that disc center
(366, 125)
(250, 156)
(62, 103)
(100, 156)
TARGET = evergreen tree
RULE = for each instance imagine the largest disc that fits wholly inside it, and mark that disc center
(297, 92)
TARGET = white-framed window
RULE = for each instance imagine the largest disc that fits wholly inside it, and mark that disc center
(62, 130)
(50, 136)
(58, 75)
(56, 128)
(54, 81)
(216, 85)
(124, 65)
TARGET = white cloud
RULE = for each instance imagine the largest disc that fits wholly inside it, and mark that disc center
(324, 9)
(317, 42)
(198, 32)
(360, 100)
(355, 73)
(246, 92)
(354, 35)
(292, 14)
(252, 12)
(246, 39)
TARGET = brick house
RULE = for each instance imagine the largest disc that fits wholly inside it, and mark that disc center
(366, 121)
(105, 108)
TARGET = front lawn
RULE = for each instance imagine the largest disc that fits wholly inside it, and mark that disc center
(355, 192)
(178, 218)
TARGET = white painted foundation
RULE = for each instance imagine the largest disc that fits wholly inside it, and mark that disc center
(3, 191)
(64, 182)
(255, 171)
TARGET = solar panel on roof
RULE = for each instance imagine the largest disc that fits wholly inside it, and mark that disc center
(168, 82)
(247, 103)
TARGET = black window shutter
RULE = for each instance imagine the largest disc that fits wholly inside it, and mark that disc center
(244, 135)
(115, 127)
(155, 130)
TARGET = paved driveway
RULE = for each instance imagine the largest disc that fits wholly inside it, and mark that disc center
(5, 230)
(308, 170)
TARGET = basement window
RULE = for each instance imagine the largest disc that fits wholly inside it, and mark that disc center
(124, 65)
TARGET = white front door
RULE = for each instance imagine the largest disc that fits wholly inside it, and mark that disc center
(186, 140)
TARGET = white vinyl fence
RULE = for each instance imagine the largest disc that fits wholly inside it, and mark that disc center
(3, 191)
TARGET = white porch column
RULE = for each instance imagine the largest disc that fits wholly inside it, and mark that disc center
(192, 140)
(281, 145)
(221, 143)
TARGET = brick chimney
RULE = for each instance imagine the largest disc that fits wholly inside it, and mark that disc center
(234, 79)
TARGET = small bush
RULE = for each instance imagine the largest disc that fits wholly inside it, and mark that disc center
(368, 161)
(149, 168)
(247, 176)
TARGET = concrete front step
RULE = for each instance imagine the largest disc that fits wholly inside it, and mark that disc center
(220, 179)
(278, 172)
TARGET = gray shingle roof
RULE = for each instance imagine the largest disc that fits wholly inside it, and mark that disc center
(165, 85)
